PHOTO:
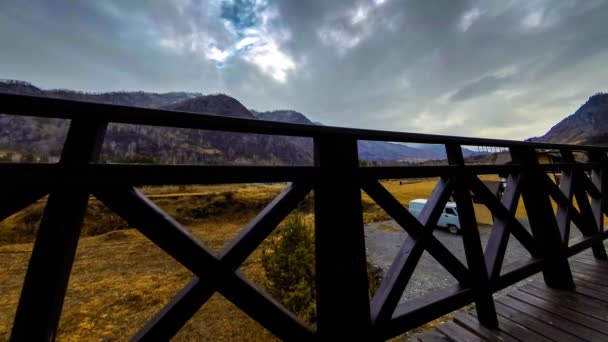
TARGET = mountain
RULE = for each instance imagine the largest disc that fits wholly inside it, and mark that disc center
(126, 98)
(288, 116)
(31, 138)
(588, 125)
(439, 150)
(368, 150)
(218, 104)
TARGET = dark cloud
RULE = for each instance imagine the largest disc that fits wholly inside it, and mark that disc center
(485, 85)
(447, 66)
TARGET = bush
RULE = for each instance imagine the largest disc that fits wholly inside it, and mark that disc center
(290, 268)
(289, 264)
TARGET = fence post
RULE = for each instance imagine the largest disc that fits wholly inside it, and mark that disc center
(343, 311)
(486, 312)
(556, 270)
(48, 273)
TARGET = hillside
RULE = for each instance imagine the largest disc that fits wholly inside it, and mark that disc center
(588, 125)
(368, 150)
(127, 98)
(289, 116)
(41, 139)
(30, 138)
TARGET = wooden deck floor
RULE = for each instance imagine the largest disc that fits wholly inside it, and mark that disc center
(534, 312)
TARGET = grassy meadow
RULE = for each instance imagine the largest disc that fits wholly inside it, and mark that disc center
(120, 279)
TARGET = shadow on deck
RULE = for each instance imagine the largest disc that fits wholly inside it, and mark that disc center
(535, 312)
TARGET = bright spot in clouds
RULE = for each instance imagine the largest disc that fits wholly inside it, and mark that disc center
(215, 54)
(245, 32)
(533, 20)
(469, 18)
(268, 57)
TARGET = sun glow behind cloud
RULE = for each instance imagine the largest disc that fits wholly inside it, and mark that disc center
(469, 18)
(360, 63)
(245, 29)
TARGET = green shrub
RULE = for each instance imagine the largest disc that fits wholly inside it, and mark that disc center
(289, 264)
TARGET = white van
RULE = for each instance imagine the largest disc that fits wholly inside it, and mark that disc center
(448, 219)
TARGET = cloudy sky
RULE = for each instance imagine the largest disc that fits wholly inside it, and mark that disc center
(503, 69)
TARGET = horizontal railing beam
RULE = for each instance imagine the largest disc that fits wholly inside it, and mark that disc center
(138, 175)
(153, 174)
(68, 109)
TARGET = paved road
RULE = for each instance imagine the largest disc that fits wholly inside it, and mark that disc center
(383, 240)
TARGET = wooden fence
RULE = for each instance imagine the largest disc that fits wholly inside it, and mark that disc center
(343, 306)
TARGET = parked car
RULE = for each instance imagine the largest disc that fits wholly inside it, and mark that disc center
(448, 219)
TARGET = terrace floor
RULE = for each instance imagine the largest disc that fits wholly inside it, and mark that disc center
(534, 312)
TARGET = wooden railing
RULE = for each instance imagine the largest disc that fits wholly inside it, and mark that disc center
(344, 310)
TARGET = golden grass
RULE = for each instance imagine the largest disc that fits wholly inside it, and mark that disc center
(405, 192)
(120, 280)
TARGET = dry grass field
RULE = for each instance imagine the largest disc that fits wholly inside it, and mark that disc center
(120, 279)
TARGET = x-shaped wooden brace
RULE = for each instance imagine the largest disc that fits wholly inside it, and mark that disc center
(15, 198)
(420, 237)
(505, 222)
(575, 183)
(211, 273)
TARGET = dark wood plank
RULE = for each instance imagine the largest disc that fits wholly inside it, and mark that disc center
(433, 336)
(563, 209)
(396, 278)
(592, 293)
(179, 243)
(591, 258)
(396, 172)
(587, 279)
(570, 300)
(341, 272)
(69, 109)
(599, 178)
(415, 229)
(473, 249)
(517, 271)
(591, 301)
(543, 224)
(580, 280)
(593, 276)
(556, 321)
(499, 235)
(592, 270)
(172, 317)
(48, 273)
(43, 176)
(565, 312)
(472, 324)
(590, 186)
(341, 275)
(542, 328)
(581, 186)
(415, 312)
(18, 195)
(516, 330)
(582, 243)
(458, 333)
